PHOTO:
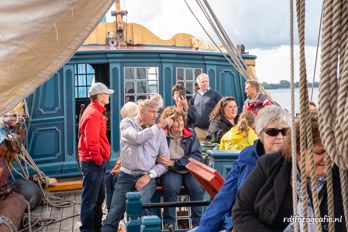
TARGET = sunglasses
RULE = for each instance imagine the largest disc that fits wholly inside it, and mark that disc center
(274, 131)
(224, 100)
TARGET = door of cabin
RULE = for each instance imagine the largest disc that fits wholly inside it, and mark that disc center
(54, 109)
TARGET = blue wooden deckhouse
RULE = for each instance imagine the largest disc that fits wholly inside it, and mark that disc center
(146, 66)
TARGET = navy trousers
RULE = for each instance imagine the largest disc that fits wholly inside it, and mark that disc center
(93, 195)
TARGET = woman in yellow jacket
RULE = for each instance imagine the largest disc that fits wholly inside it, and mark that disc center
(240, 136)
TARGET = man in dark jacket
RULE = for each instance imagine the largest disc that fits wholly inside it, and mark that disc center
(204, 102)
(94, 153)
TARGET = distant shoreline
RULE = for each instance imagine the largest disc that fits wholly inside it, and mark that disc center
(288, 88)
(285, 84)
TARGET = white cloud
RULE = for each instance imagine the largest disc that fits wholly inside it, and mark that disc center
(262, 25)
(273, 65)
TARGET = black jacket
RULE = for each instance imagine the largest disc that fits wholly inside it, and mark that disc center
(217, 128)
(266, 197)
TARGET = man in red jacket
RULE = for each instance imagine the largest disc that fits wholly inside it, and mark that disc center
(94, 153)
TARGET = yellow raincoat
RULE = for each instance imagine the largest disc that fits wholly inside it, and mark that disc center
(233, 141)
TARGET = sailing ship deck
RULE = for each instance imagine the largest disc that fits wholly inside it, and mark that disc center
(67, 219)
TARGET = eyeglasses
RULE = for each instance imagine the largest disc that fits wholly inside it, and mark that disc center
(274, 131)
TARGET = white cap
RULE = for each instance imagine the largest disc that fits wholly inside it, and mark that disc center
(99, 88)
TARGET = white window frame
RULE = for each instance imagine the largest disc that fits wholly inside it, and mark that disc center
(151, 80)
(184, 80)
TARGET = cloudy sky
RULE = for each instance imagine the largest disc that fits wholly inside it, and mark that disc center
(261, 25)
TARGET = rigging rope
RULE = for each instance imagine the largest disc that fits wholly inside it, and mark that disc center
(42, 180)
(233, 57)
(330, 195)
(316, 52)
(333, 91)
(306, 139)
(293, 132)
(211, 39)
(7, 222)
(224, 38)
(332, 95)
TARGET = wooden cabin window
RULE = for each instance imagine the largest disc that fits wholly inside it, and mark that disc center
(84, 77)
(187, 77)
(140, 82)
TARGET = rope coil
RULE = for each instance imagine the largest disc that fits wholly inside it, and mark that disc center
(333, 90)
(7, 222)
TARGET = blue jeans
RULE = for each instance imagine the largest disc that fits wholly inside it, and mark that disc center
(93, 194)
(110, 181)
(125, 183)
(171, 182)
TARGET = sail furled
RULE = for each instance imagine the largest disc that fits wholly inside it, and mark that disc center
(37, 37)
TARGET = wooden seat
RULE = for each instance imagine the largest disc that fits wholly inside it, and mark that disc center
(209, 178)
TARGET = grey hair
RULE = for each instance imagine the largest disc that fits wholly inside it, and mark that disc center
(270, 114)
(158, 98)
(129, 110)
(148, 103)
(202, 75)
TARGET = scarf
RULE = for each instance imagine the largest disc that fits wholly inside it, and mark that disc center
(310, 212)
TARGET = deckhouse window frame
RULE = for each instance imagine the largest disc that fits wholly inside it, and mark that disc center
(140, 82)
(187, 77)
(84, 78)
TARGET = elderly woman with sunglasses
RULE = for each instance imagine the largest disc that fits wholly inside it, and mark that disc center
(222, 118)
(272, 124)
(264, 203)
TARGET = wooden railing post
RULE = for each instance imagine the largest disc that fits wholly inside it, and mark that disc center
(134, 211)
(150, 224)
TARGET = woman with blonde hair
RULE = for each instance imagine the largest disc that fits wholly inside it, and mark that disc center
(240, 136)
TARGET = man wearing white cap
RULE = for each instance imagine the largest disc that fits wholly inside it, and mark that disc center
(94, 153)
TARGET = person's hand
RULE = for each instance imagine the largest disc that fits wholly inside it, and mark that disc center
(169, 163)
(178, 103)
(184, 103)
(166, 162)
(168, 121)
(142, 181)
(116, 169)
(161, 159)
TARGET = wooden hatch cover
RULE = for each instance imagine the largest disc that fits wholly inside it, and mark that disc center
(209, 178)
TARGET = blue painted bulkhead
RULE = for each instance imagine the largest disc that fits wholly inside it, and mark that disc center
(52, 129)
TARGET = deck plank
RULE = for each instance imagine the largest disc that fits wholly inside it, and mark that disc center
(68, 224)
(46, 212)
(77, 209)
(56, 213)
